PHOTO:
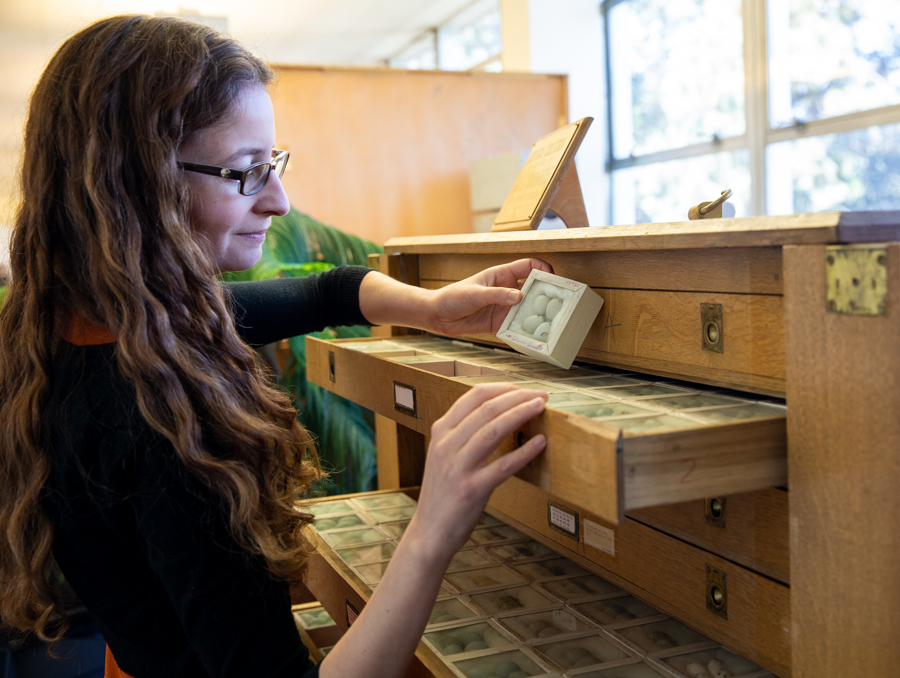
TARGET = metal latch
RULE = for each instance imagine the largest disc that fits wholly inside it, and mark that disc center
(856, 279)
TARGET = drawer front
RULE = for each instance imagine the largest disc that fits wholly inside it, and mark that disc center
(666, 572)
(750, 529)
(737, 270)
(589, 462)
(662, 333)
(651, 319)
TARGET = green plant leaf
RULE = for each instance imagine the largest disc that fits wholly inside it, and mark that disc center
(297, 246)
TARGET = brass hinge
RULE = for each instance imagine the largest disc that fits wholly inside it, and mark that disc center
(856, 280)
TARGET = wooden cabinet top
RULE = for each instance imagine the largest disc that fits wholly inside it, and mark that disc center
(796, 229)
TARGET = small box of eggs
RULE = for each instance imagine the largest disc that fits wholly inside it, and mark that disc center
(553, 318)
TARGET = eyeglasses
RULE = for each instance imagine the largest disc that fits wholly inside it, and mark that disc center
(252, 178)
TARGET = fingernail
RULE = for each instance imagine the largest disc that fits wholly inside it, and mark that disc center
(514, 296)
(538, 403)
(539, 440)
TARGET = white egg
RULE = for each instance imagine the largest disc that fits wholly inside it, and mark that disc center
(540, 303)
(531, 322)
(696, 670)
(542, 333)
(553, 307)
(718, 670)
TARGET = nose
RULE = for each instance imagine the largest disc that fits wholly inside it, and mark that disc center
(272, 199)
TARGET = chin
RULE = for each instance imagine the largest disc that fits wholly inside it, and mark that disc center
(241, 262)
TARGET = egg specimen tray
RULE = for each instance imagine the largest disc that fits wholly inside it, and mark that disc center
(525, 611)
(552, 319)
(617, 440)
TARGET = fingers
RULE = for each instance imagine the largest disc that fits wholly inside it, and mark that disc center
(485, 427)
(519, 269)
(467, 403)
(511, 463)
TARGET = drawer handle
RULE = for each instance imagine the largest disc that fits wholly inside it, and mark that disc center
(715, 512)
(716, 591)
(711, 328)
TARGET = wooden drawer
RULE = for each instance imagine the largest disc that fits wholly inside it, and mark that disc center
(661, 574)
(666, 573)
(651, 321)
(750, 529)
(606, 468)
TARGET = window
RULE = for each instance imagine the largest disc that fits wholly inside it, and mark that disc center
(793, 104)
(470, 40)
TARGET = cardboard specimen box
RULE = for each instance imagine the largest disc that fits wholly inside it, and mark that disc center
(553, 318)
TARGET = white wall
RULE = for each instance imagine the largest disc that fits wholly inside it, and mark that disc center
(567, 37)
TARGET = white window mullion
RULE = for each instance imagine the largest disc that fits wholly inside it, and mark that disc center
(838, 124)
(757, 98)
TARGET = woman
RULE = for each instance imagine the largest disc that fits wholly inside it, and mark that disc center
(144, 449)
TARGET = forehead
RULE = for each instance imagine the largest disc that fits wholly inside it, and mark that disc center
(248, 126)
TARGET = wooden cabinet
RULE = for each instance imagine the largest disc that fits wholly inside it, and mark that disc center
(774, 536)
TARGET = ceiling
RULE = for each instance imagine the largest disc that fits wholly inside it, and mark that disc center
(350, 32)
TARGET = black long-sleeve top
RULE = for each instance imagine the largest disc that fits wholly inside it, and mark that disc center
(144, 544)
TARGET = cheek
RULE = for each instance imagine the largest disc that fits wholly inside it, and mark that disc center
(210, 219)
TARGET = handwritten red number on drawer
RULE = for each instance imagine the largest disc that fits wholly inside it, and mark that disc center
(693, 463)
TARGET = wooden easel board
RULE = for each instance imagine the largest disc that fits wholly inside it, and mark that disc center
(542, 176)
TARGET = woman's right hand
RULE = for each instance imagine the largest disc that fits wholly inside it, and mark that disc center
(457, 484)
(458, 479)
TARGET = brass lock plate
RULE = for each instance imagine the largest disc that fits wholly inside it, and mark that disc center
(716, 591)
(711, 328)
(856, 280)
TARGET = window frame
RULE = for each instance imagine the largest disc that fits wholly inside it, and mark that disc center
(759, 134)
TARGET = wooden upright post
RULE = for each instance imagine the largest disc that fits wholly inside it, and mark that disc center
(843, 425)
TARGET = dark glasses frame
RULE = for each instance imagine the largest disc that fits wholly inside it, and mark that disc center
(279, 159)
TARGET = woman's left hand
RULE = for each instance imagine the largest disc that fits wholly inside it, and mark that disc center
(479, 304)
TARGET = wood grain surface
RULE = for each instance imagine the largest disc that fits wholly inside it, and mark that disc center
(661, 332)
(401, 454)
(381, 153)
(668, 574)
(747, 270)
(755, 531)
(704, 233)
(844, 430)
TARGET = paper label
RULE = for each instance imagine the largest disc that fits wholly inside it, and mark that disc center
(562, 520)
(527, 342)
(404, 396)
(601, 538)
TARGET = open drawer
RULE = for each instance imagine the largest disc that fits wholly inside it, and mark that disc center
(512, 597)
(617, 440)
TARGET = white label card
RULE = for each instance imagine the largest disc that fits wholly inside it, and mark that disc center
(564, 521)
(601, 538)
(404, 396)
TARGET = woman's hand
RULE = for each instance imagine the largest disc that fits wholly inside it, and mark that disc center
(474, 305)
(458, 481)
(479, 304)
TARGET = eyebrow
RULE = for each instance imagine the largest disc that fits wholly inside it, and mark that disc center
(251, 151)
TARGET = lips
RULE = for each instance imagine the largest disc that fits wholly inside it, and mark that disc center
(257, 236)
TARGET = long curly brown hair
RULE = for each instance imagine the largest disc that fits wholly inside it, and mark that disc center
(102, 233)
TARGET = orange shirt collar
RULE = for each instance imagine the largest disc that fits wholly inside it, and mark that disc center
(84, 333)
